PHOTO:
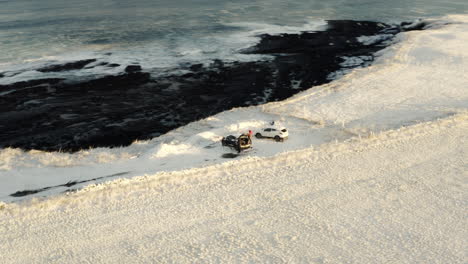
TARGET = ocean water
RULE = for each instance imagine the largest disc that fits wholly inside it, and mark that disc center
(162, 33)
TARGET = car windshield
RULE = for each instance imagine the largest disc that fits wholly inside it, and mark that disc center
(283, 130)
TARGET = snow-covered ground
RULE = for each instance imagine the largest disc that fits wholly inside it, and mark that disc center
(375, 170)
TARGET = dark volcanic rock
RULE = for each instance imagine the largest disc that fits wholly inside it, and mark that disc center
(196, 67)
(416, 25)
(56, 114)
(132, 68)
(28, 86)
(77, 65)
(100, 64)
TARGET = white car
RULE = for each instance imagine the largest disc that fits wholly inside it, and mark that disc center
(275, 133)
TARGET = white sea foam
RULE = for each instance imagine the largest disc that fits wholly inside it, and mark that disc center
(155, 56)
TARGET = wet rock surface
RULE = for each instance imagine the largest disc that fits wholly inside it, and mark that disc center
(77, 65)
(57, 114)
(132, 68)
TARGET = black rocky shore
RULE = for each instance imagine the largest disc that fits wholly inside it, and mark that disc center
(58, 114)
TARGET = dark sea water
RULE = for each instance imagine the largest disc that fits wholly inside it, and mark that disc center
(162, 33)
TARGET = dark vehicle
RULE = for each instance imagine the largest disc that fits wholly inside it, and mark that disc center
(240, 143)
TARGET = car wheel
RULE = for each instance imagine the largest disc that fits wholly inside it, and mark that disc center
(258, 135)
(278, 139)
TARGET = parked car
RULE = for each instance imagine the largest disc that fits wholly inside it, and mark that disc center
(275, 133)
(240, 143)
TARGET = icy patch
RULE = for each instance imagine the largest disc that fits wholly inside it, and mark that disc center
(356, 61)
(348, 64)
(371, 40)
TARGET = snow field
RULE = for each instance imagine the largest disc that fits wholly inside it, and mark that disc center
(398, 196)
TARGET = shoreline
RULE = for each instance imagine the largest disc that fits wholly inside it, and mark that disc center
(57, 114)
